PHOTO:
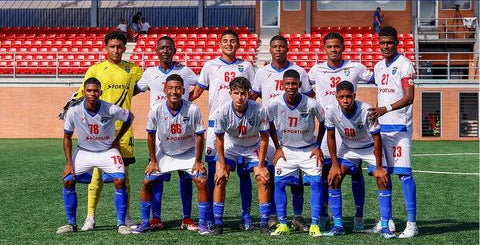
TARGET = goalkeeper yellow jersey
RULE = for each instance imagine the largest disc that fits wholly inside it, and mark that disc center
(118, 81)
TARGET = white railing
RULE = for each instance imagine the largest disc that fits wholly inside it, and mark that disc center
(447, 28)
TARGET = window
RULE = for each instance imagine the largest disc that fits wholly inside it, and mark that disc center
(431, 125)
(468, 113)
(450, 4)
(360, 5)
(290, 5)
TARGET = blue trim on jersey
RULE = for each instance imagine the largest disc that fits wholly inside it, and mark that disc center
(162, 177)
(329, 128)
(288, 180)
(68, 132)
(375, 132)
(301, 147)
(372, 79)
(109, 177)
(219, 133)
(281, 69)
(151, 131)
(96, 108)
(294, 106)
(309, 92)
(312, 178)
(129, 117)
(235, 112)
(202, 86)
(393, 128)
(393, 60)
(228, 63)
(354, 111)
(178, 111)
(256, 92)
(392, 170)
(327, 161)
(166, 71)
(334, 68)
(211, 123)
(264, 131)
(200, 132)
(85, 178)
(352, 167)
(363, 147)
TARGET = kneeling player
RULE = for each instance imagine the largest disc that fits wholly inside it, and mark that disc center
(241, 128)
(97, 147)
(178, 126)
(297, 148)
(361, 140)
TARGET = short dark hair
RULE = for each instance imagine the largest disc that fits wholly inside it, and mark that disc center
(333, 35)
(174, 77)
(230, 32)
(240, 83)
(278, 37)
(379, 9)
(388, 31)
(92, 80)
(118, 35)
(166, 38)
(291, 73)
(345, 85)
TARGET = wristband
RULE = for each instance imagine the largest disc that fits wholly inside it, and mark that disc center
(389, 107)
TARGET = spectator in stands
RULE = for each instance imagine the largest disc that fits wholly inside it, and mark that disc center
(123, 26)
(144, 26)
(136, 25)
(377, 20)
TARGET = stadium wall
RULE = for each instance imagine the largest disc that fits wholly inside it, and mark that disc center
(75, 17)
(31, 112)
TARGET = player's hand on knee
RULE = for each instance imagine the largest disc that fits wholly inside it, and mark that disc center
(261, 174)
(318, 154)
(381, 175)
(221, 175)
(151, 167)
(199, 167)
(376, 112)
(335, 172)
(68, 170)
(278, 154)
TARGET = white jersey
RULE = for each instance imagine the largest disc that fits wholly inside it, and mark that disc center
(175, 132)
(325, 79)
(154, 78)
(216, 75)
(96, 131)
(391, 79)
(295, 125)
(355, 130)
(244, 130)
(268, 81)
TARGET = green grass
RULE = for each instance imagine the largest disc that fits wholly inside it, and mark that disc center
(32, 208)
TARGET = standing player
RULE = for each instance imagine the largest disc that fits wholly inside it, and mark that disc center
(175, 142)
(268, 85)
(360, 140)
(97, 147)
(297, 147)
(241, 128)
(394, 77)
(118, 80)
(325, 77)
(215, 77)
(153, 79)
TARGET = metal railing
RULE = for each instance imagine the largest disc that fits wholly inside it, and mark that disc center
(446, 28)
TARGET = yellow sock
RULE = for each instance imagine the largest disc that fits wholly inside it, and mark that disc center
(94, 189)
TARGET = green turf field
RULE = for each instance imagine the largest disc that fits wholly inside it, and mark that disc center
(32, 208)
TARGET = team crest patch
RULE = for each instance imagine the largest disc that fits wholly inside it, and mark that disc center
(278, 171)
(346, 72)
(360, 125)
(251, 121)
(394, 70)
(240, 68)
(303, 113)
(104, 120)
(127, 69)
(186, 119)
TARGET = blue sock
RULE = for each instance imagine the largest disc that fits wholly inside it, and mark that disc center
(156, 201)
(70, 203)
(203, 208)
(273, 205)
(324, 197)
(358, 190)
(185, 189)
(281, 202)
(145, 207)
(335, 199)
(385, 205)
(297, 200)
(120, 200)
(264, 210)
(218, 212)
(410, 195)
(245, 192)
(315, 192)
(211, 186)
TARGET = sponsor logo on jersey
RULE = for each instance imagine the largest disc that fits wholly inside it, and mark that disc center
(360, 125)
(240, 68)
(251, 121)
(346, 72)
(394, 70)
(127, 69)
(118, 86)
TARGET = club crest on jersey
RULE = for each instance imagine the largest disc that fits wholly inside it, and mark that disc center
(127, 69)
(240, 68)
(104, 120)
(303, 113)
(251, 121)
(279, 171)
(346, 72)
(360, 125)
(186, 119)
(394, 70)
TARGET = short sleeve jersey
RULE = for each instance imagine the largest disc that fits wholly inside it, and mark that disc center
(216, 75)
(241, 130)
(355, 129)
(154, 78)
(325, 79)
(391, 79)
(295, 124)
(268, 81)
(175, 131)
(95, 131)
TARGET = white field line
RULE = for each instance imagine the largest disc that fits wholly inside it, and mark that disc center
(444, 154)
(438, 172)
